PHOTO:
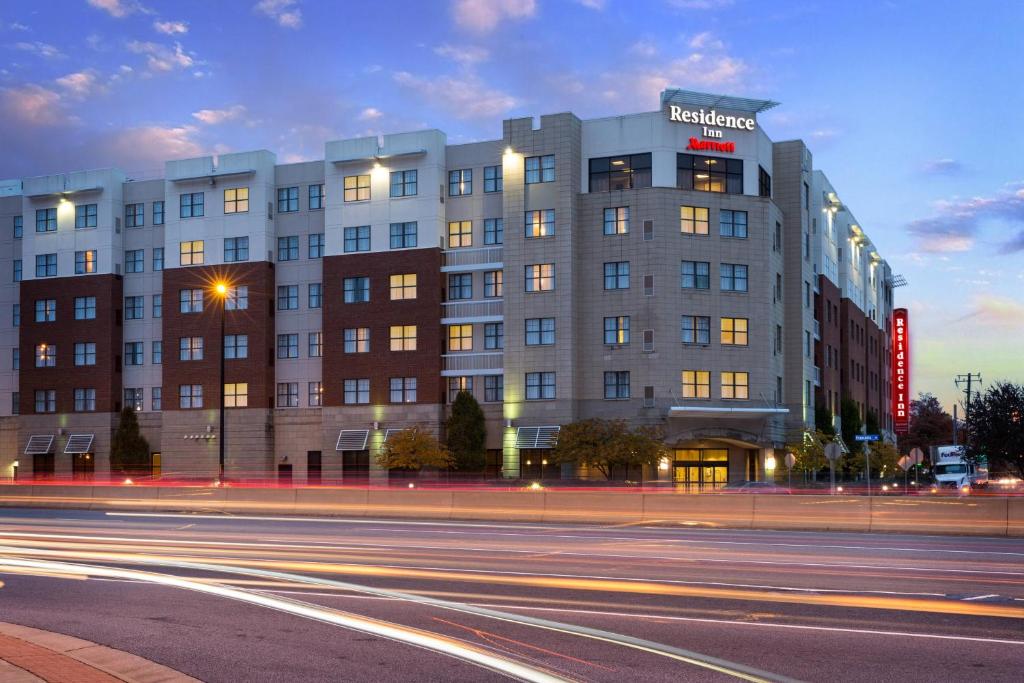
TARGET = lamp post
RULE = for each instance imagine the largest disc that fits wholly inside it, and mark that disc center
(222, 291)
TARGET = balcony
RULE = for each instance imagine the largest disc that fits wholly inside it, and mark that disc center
(479, 258)
(482, 311)
(479, 363)
(817, 330)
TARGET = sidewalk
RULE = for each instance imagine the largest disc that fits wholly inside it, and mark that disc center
(28, 655)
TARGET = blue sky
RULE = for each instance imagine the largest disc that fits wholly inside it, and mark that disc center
(911, 108)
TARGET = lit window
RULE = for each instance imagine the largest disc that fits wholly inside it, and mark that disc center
(709, 174)
(133, 398)
(46, 355)
(460, 234)
(540, 223)
(616, 330)
(191, 253)
(357, 188)
(734, 331)
(460, 182)
(457, 385)
(236, 200)
(693, 220)
(315, 394)
(85, 262)
(625, 172)
(735, 385)
(357, 339)
(616, 220)
(403, 286)
(540, 277)
(403, 337)
(494, 283)
(696, 384)
(460, 337)
(236, 395)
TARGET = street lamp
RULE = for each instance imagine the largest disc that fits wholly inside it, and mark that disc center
(221, 290)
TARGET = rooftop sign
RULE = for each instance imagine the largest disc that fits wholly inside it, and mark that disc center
(710, 118)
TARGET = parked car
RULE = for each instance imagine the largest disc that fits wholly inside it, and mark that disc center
(753, 487)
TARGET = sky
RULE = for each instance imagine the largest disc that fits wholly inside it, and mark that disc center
(913, 109)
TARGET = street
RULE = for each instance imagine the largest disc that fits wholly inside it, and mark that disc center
(236, 598)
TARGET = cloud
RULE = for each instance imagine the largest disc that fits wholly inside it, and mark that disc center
(33, 104)
(79, 84)
(466, 56)
(119, 9)
(644, 83)
(285, 12)
(942, 167)
(644, 48)
(42, 49)
(597, 5)
(170, 27)
(997, 311)
(370, 114)
(955, 225)
(162, 58)
(15, 26)
(483, 16)
(466, 97)
(700, 4)
(705, 41)
(213, 117)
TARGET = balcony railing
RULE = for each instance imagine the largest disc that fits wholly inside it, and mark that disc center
(474, 257)
(457, 363)
(817, 376)
(817, 330)
(453, 311)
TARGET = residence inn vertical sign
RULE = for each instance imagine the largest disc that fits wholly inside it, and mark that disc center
(900, 371)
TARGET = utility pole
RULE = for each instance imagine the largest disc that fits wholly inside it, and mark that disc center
(967, 380)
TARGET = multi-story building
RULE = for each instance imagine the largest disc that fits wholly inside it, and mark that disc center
(674, 268)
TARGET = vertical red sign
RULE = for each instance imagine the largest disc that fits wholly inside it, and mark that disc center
(900, 371)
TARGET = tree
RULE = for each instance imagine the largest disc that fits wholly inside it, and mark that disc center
(823, 419)
(871, 425)
(467, 434)
(129, 450)
(604, 445)
(930, 425)
(413, 449)
(809, 450)
(996, 428)
(849, 412)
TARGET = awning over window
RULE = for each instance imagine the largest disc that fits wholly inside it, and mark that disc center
(79, 443)
(352, 439)
(39, 444)
(537, 437)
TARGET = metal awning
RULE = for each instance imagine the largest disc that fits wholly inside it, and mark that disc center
(703, 99)
(66, 192)
(380, 157)
(537, 437)
(714, 411)
(213, 175)
(352, 439)
(79, 443)
(39, 444)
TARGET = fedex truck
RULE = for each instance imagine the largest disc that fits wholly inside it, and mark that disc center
(953, 470)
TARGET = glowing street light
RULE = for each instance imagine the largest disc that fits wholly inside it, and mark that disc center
(220, 288)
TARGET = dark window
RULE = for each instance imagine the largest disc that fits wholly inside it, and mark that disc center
(403, 183)
(627, 172)
(709, 174)
(134, 215)
(616, 384)
(403, 235)
(732, 223)
(764, 183)
(316, 197)
(287, 199)
(492, 179)
(192, 205)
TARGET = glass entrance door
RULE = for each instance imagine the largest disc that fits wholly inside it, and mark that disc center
(703, 469)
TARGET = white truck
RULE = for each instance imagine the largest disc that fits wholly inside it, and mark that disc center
(952, 470)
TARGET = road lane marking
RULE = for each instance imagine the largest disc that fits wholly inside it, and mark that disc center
(981, 597)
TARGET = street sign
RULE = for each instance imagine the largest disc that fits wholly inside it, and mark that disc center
(790, 461)
(905, 462)
(833, 451)
(866, 437)
(916, 456)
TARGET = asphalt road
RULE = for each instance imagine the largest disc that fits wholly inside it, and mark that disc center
(256, 599)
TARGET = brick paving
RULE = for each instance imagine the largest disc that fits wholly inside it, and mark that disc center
(49, 665)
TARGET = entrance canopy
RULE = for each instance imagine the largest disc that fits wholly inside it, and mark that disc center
(537, 437)
(352, 439)
(39, 444)
(79, 443)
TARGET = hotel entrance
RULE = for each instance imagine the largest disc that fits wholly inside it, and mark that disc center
(701, 469)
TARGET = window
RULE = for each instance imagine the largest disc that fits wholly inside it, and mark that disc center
(191, 253)
(732, 223)
(158, 259)
(696, 329)
(288, 248)
(734, 385)
(540, 223)
(494, 283)
(627, 172)
(777, 238)
(357, 340)
(357, 238)
(287, 199)
(19, 227)
(403, 235)
(357, 188)
(85, 262)
(733, 277)
(85, 308)
(616, 384)
(314, 294)
(46, 401)
(85, 353)
(46, 355)
(734, 331)
(134, 307)
(316, 344)
(236, 346)
(237, 298)
(287, 394)
(85, 216)
(709, 174)
(403, 390)
(315, 394)
(764, 183)
(616, 275)
(648, 341)
(494, 231)
(190, 348)
(236, 200)
(133, 353)
(236, 249)
(85, 400)
(15, 400)
(778, 286)
(190, 396)
(46, 220)
(460, 337)
(133, 398)
(287, 297)
(46, 265)
(616, 221)
(16, 314)
(648, 231)
(494, 388)
(457, 384)
(492, 179)
(134, 216)
(616, 330)
(693, 220)
(157, 352)
(158, 215)
(17, 270)
(494, 336)
(403, 337)
(156, 395)
(460, 182)
(540, 386)
(460, 234)
(316, 245)
(288, 345)
(192, 205)
(357, 289)
(357, 391)
(236, 395)
(540, 169)
(403, 286)
(540, 277)
(403, 183)
(540, 331)
(191, 300)
(316, 197)
(46, 310)
(696, 275)
(460, 286)
(135, 261)
(696, 384)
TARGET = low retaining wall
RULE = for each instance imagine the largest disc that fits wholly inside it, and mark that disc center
(976, 515)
